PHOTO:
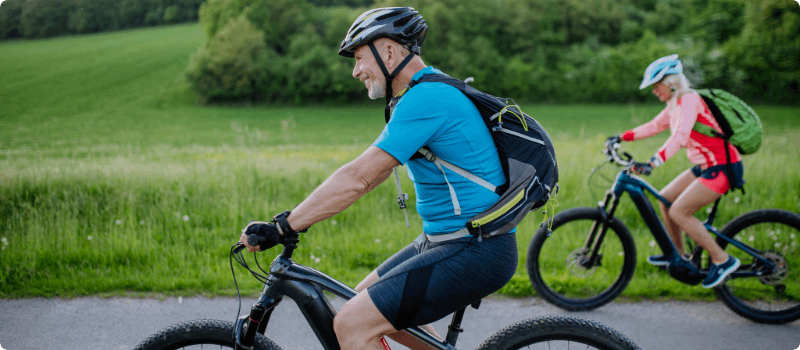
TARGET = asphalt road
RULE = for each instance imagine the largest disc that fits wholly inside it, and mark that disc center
(121, 323)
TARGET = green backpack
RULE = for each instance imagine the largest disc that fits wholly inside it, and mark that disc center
(739, 123)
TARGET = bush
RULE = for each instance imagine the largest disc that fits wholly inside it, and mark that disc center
(171, 14)
(232, 65)
(44, 18)
(10, 18)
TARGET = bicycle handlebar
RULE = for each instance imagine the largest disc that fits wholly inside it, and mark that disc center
(613, 155)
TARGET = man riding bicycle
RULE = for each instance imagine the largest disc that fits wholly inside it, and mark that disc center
(445, 268)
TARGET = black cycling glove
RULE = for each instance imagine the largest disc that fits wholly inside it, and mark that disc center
(263, 234)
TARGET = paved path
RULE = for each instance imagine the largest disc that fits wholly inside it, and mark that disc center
(120, 323)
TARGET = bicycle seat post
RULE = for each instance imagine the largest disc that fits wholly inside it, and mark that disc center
(455, 327)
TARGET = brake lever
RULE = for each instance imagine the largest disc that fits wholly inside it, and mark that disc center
(239, 247)
(627, 155)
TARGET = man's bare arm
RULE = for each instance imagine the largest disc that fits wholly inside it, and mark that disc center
(344, 187)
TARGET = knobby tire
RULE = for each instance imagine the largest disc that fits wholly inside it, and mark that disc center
(199, 332)
(580, 333)
(619, 259)
(748, 296)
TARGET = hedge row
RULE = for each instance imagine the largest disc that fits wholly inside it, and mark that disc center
(47, 18)
(532, 50)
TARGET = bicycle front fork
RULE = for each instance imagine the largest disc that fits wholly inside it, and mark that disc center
(248, 326)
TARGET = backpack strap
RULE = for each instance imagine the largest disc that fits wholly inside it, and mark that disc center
(456, 169)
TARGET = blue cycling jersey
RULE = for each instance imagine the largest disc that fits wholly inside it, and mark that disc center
(442, 118)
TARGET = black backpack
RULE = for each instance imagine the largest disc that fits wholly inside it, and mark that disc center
(526, 155)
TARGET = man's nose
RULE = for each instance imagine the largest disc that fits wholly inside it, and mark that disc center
(356, 71)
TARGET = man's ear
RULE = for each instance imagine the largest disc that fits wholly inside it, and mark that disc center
(391, 57)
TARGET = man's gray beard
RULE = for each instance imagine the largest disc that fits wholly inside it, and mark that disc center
(378, 90)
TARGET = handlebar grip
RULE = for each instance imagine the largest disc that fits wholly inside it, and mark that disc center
(255, 240)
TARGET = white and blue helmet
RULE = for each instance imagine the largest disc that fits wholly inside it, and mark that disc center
(658, 69)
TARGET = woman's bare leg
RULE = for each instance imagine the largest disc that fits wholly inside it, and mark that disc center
(671, 192)
(682, 212)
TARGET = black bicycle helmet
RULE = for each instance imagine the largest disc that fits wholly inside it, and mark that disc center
(401, 24)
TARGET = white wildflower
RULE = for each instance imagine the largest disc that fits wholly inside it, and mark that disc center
(736, 200)
(119, 222)
(5, 240)
(708, 210)
(186, 218)
(333, 222)
(377, 240)
(792, 236)
(316, 260)
(89, 237)
(313, 257)
(620, 253)
(652, 243)
(141, 222)
(777, 244)
(751, 239)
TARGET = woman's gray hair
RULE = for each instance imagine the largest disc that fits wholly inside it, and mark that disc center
(677, 83)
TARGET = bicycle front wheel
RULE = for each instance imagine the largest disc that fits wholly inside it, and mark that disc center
(557, 332)
(773, 297)
(562, 269)
(199, 334)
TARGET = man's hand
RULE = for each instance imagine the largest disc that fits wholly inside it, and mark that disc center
(267, 233)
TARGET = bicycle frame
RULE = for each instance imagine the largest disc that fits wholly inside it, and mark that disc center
(305, 286)
(637, 187)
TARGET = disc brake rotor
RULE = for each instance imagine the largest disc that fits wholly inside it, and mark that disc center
(574, 263)
(779, 272)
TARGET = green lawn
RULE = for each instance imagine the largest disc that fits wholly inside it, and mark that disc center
(112, 179)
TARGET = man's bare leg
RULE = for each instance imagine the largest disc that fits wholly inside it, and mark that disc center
(398, 336)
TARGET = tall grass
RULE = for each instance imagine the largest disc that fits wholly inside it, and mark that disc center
(113, 181)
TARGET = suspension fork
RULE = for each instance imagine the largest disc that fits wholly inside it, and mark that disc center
(599, 229)
(247, 326)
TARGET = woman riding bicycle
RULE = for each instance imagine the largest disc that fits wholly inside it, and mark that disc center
(699, 186)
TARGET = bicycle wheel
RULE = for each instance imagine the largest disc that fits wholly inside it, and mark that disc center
(772, 298)
(557, 332)
(199, 334)
(559, 266)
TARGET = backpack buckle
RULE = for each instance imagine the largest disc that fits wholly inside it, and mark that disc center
(430, 157)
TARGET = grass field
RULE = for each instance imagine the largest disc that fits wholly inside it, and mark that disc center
(113, 181)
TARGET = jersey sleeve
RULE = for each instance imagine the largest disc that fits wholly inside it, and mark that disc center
(416, 120)
(690, 106)
(651, 128)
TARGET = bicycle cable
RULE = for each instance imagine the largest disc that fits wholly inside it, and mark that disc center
(596, 170)
(236, 254)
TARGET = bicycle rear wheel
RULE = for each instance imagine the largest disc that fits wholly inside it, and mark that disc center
(774, 297)
(199, 334)
(557, 332)
(560, 266)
